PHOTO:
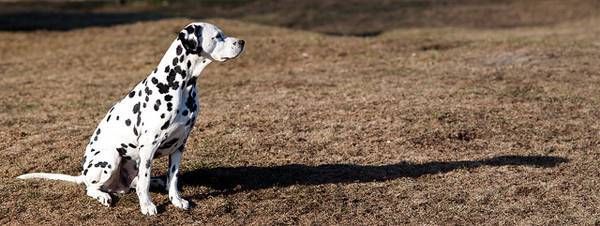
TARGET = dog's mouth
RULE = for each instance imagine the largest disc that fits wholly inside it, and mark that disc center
(223, 59)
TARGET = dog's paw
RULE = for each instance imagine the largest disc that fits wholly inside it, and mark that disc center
(181, 203)
(148, 209)
(104, 199)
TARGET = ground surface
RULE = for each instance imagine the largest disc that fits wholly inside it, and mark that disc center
(419, 124)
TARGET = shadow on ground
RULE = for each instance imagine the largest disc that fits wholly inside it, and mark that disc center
(235, 179)
(332, 17)
(61, 21)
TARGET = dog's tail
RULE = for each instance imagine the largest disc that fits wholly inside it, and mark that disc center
(53, 176)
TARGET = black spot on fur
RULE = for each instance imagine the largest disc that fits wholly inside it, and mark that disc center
(178, 70)
(147, 99)
(167, 68)
(166, 125)
(85, 172)
(108, 118)
(171, 76)
(148, 163)
(139, 119)
(169, 106)
(131, 94)
(162, 115)
(181, 59)
(132, 145)
(192, 81)
(148, 91)
(122, 151)
(135, 131)
(117, 118)
(190, 103)
(154, 80)
(163, 88)
(189, 64)
(98, 131)
(127, 122)
(123, 145)
(175, 60)
(185, 112)
(101, 164)
(190, 29)
(168, 97)
(136, 108)
(179, 50)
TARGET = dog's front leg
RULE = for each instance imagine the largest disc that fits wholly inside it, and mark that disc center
(172, 177)
(143, 179)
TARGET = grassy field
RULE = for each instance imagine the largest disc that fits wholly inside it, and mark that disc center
(449, 123)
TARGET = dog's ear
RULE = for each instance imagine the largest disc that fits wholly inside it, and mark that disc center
(191, 38)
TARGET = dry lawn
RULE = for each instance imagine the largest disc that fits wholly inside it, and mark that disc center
(414, 126)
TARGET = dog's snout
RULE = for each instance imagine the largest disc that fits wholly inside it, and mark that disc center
(241, 42)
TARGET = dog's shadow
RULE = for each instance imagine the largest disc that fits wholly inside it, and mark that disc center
(229, 180)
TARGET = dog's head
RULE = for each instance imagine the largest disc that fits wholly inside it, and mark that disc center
(208, 40)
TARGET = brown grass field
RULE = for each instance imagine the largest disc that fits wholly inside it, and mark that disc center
(481, 114)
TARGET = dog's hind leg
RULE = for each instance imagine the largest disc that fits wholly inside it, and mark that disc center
(96, 174)
(172, 177)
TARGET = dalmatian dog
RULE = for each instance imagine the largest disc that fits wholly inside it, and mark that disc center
(152, 120)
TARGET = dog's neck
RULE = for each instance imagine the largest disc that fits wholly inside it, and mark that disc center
(197, 62)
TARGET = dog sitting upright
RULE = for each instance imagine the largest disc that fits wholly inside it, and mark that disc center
(154, 119)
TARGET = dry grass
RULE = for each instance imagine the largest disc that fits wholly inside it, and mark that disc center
(419, 126)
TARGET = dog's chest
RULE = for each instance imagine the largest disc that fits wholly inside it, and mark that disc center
(182, 121)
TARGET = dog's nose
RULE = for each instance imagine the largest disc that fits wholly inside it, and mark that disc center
(241, 42)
